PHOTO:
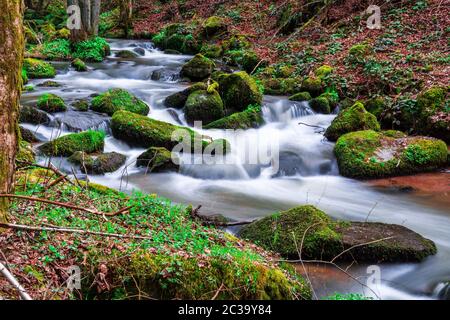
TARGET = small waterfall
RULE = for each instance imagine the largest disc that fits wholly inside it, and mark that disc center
(283, 110)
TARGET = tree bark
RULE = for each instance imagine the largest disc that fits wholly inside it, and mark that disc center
(90, 16)
(11, 56)
(126, 15)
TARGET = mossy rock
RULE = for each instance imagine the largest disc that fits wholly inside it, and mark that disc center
(50, 103)
(25, 154)
(28, 135)
(144, 132)
(281, 86)
(247, 119)
(79, 65)
(332, 97)
(320, 105)
(324, 238)
(33, 115)
(375, 106)
(236, 42)
(355, 118)
(198, 68)
(104, 163)
(239, 90)
(203, 106)
(126, 54)
(38, 69)
(88, 141)
(434, 120)
(313, 85)
(81, 105)
(81, 159)
(301, 96)
(213, 26)
(323, 71)
(119, 99)
(50, 84)
(371, 154)
(212, 51)
(158, 159)
(246, 59)
(178, 100)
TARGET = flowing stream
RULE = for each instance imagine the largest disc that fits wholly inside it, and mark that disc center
(244, 189)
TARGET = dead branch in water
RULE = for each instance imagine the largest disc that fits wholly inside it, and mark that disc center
(209, 221)
(65, 205)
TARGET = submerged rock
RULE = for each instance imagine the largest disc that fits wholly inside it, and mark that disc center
(119, 99)
(325, 239)
(89, 142)
(198, 68)
(157, 159)
(371, 154)
(139, 51)
(355, 118)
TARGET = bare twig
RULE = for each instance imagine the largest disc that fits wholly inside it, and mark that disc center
(13, 281)
(62, 204)
(359, 245)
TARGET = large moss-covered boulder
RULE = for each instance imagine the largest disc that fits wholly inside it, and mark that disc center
(320, 105)
(145, 132)
(158, 159)
(37, 69)
(355, 118)
(213, 26)
(33, 115)
(324, 238)
(104, 163)
(203, 106)
(434, 119)
(50, 102)
(249, 118)
(88, 141)
(239, 90)
(198, 68)
(371, 154)
(119, 99)
(177, 100)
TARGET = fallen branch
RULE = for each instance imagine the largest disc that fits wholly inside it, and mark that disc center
(71, 230)
(209, 221)
(65, 205)
(13, 281)
(312, 126)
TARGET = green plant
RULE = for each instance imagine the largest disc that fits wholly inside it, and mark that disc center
(94, 49)
(56, 49)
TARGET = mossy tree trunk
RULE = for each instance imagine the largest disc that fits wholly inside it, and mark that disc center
(126, 15)
(90, 16)
(11, 56)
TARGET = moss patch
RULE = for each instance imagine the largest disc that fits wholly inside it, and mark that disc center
(89, 142)
(37, 69)
(203, 106)
(301, 96)
(119, 99)
(239, 90)
(79, 65)
(198, 68)
(249, 118)
(157, 159)
(51, 103)
(355, 118)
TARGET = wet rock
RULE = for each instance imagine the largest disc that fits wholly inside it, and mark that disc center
(33, 115)
(28, 135)
(164, 75)
(178, 99)
(50, 103)
(81, 105)
(238, 91)
(81, 159)
(371, 154)
(79, 65)
(139, 51)
(157, 159)
(104, 163)
(301, 96)
(77, 121)
(126, 54)
(325, 238)
(49, 83)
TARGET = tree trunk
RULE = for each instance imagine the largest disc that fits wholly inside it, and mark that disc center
(11, 56)
(90, 15)
(126, 15)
